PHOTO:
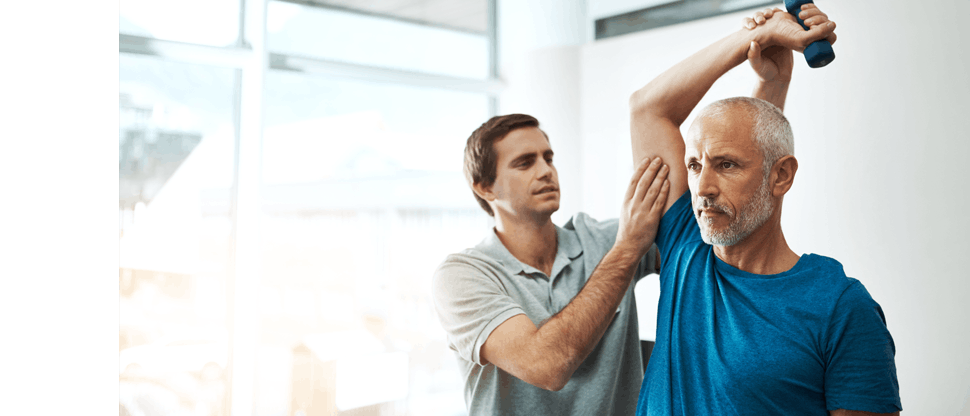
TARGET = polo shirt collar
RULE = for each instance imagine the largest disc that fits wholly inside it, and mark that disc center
(569, 249)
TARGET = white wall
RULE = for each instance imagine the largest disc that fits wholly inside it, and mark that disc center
(539, 44)
(882, 135)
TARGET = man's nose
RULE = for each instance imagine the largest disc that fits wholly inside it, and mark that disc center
(707, 183)
(545, 170)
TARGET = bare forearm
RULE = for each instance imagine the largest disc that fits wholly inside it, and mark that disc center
(573, 333)
(773, 92)
(676, 92)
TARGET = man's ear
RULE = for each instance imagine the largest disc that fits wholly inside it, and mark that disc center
(483, 192)
(783, 175)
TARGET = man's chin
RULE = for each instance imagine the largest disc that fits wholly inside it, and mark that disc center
(716, 237)
(549, 208)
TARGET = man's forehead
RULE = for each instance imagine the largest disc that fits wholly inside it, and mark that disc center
(522, 141)
(724, 132)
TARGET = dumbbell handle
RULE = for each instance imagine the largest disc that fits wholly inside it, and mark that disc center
(820, 52)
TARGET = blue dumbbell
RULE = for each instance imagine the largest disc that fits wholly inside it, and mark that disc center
(820, 52)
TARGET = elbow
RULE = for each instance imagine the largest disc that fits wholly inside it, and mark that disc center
(553, 382)
(555, 387)
(558, 378)
(637, 101)
(548, 367)
(552, 375)
(643, 100)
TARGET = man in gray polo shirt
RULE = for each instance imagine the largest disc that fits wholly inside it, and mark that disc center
(542, 318)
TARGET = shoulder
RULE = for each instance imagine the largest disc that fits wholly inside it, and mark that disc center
(854, 299)
(848, 297)
(591, 231)
(467, 263)
(828, 272)
(466, 274)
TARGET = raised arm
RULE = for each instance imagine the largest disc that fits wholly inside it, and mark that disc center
(659, 109)
(548, 355)
(773, 65)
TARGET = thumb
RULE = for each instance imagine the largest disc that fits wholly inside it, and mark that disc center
(754, 54)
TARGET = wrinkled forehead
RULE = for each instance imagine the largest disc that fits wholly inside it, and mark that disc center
(730, 130)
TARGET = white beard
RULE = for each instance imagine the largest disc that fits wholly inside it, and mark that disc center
(752, 216)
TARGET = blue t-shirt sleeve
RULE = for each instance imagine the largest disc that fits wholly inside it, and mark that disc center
(677, 226)
(860, 370)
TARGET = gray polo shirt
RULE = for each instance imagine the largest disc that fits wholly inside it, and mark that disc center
(476, 290)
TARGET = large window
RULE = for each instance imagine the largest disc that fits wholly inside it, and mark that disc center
(363, 115)
(176, 146)
(343, 36)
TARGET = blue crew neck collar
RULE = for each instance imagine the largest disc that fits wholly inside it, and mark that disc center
(724, 267)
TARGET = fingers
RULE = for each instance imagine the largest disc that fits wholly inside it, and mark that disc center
(641, 167)
(822, 31)
(647, 178)
(661, 202)
(656, 187)
(812, 17)
(759, 18)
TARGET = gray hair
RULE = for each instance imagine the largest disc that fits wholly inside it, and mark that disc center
(771, 129)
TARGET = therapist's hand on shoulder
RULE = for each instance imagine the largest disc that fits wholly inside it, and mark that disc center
(643, 205)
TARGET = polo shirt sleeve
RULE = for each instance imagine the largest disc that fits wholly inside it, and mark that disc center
(860, 369)
(602, 234)
(470, 302)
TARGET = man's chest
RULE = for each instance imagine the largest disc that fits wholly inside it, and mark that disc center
(732, 342)
(541, 296)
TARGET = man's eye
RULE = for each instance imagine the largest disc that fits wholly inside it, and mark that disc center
(727, 165)
(693, 166)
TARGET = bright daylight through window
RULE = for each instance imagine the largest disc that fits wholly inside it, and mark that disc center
(364, 114)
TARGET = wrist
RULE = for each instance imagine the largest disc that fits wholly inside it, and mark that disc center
(758, 34)
(778, 82)
(773, 92)
(628, 251)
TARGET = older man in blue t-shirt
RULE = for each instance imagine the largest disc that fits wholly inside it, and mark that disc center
(745, 325)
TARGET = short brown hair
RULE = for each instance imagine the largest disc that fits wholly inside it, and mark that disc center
(480, 157)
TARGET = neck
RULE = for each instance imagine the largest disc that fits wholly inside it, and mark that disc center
(765, 251)
(532, 242)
